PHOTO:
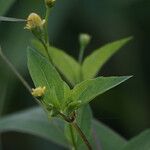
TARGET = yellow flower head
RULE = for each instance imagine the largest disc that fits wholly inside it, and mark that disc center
(34, 21)
(39, 91)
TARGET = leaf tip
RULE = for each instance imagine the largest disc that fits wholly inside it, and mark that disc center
(128, 39)
(126, 78)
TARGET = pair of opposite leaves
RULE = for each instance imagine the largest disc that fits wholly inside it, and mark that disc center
(58, 94)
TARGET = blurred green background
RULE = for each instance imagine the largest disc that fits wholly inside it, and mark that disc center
(125, 108)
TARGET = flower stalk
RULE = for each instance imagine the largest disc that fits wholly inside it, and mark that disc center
(84, 40)
(39, 28)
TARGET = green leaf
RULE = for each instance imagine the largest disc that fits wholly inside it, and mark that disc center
(34, 121)
(44, 74)
(5, 5)
(65, 63)
(89, 89)
(94, 62)
(140, 142)
(106, 138)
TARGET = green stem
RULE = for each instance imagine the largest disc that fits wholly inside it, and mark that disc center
(67, 119)
(82, 135)
(74, 124)
(46, 49)
(19, 77)
(46, 25)
(23, 81)
(80, 59)
(81, 53)
(46, 42)
(72, 137)
(79, 131)
(15, 71)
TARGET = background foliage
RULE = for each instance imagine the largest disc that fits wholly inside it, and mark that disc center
(125, 108)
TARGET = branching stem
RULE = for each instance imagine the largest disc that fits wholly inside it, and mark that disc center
(79, 131)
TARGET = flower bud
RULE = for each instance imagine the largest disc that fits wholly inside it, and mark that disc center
(84, 39)
(50, 3)
(34, 21)
(39, 91)
(72, 106)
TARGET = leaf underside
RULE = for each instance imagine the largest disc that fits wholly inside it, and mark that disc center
(34, 121)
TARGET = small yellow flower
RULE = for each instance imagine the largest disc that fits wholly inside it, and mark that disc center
(39, 91)
(34, 21)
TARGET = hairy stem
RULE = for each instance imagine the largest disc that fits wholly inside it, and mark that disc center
(82, 135)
